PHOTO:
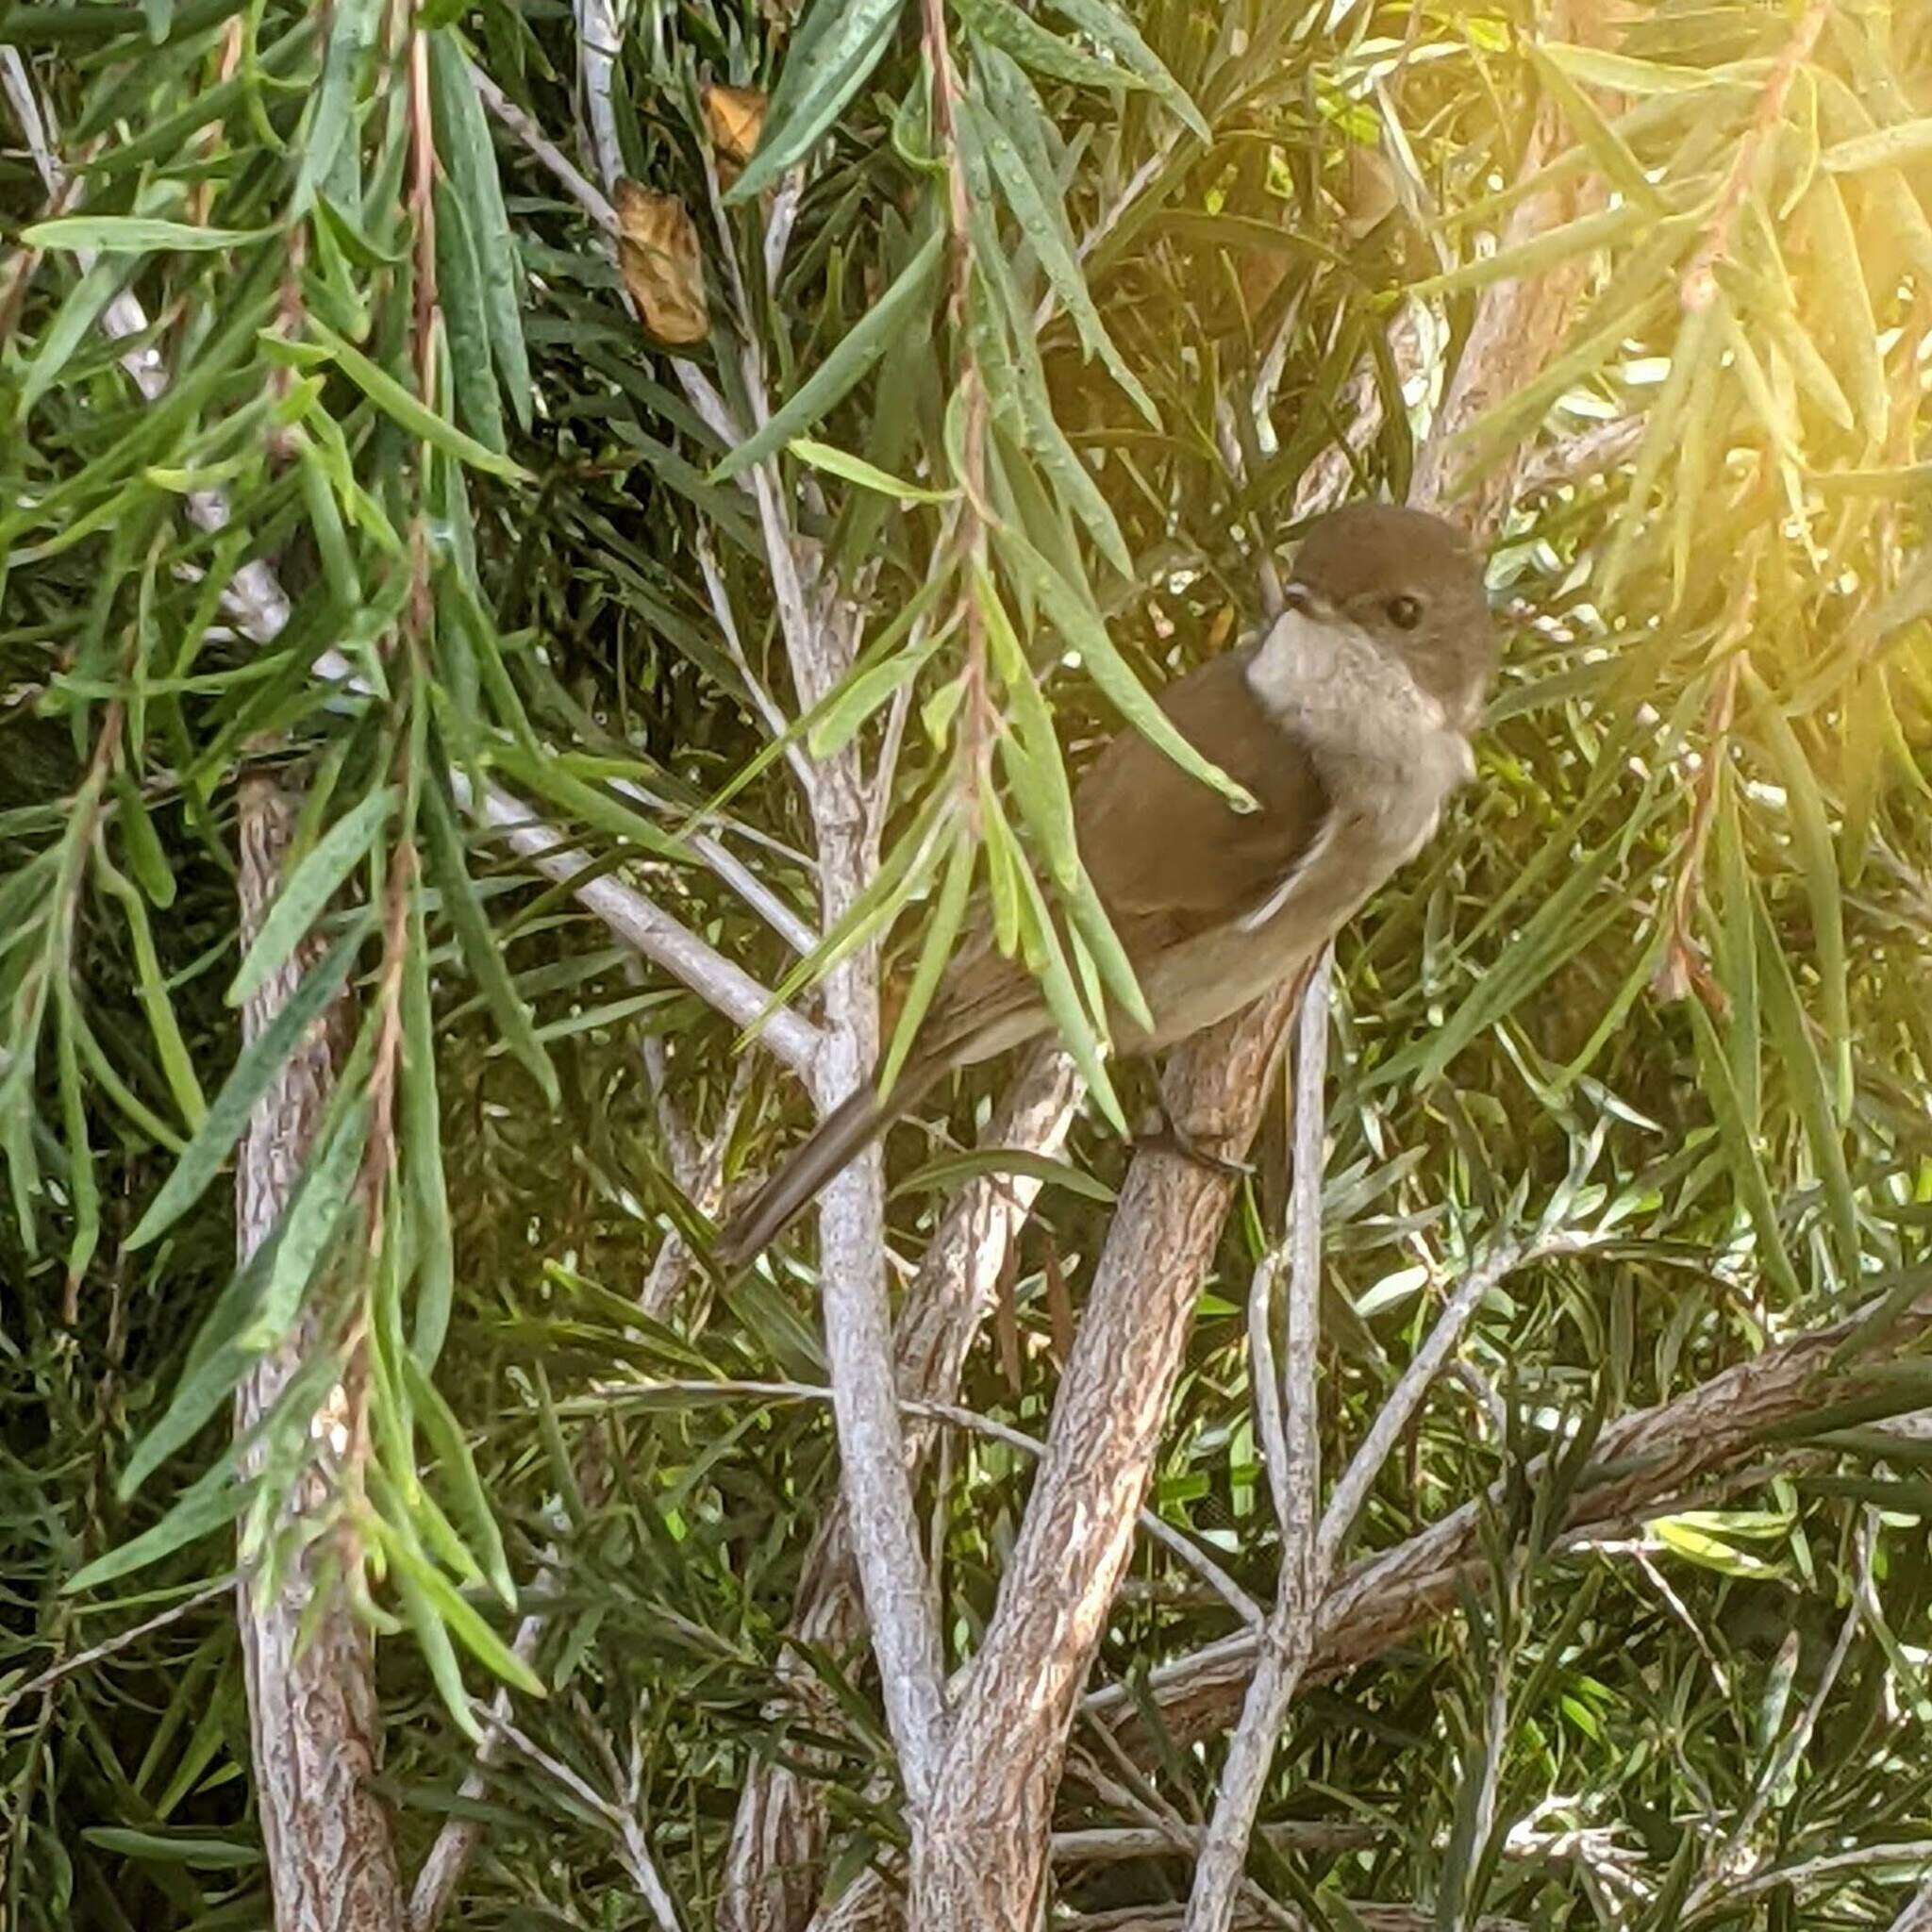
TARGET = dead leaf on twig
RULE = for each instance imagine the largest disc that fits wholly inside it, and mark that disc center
(734, 118)
(658, 256)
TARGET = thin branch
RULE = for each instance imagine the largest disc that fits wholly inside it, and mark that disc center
(1723, 1868)
(602, 1396)
(589, 197)
(600, 37)
(1697, 286)
(1394, 1416)
(95, 1652)
(1289, 1634)
(633, 1852)
(778, 1835)
(643, 925)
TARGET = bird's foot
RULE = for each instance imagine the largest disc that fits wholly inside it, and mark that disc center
(1169, 1137)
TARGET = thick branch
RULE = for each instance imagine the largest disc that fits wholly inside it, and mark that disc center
(312, 1715)
(1643, 1462)
(983, 1860)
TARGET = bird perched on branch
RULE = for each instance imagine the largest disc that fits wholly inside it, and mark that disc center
(1348, 721)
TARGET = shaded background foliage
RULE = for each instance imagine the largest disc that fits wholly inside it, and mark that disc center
(1667, 966)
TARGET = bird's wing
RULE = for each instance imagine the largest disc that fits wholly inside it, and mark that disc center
(1169, 856)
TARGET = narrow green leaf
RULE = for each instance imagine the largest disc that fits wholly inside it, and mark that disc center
(465, 146)
(1804, 1068)
(1818, 857)
(1004, 25)
(308, 889)
(80, 308)
(1080, 626)
(1904, 140)
(1838, 281)
(351, 32)
(326, 524)
(422, 1147)
(851, 469)
(258, 1064)
(194, 1849)
(1563, 244)
(209, 1502)
(177, 1064)
(1036, 206)
(460, 284)
(145, 858)
(942, 1176)
(481, 952)
(1049, 806)
(1607, 148)
(135, 235)
(837, 375)
(314, 1212)
(458, 1468)
(390, 396)
(857, 697)
(1095, 929)
(837, 46)
(1695, 343)
(1115, 31)
(83, 1183)
(263, 1304)
(1623, 74)
(412, 1574)
(465, 1623)
(1747, 1164)
(935, 950)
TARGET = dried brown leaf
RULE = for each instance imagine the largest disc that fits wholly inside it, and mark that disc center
(658, 256)
(734, 118)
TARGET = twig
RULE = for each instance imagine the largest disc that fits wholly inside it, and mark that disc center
(1726, 1859)
(1396, 1413)
(633, 1852)
(94, 1653)
(1853, 1858)
(601, 40)
(588, 197)
(1697, 288)
(1642, 1462)
(645, 927)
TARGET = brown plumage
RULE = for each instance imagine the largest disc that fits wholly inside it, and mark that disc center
(1348, 721)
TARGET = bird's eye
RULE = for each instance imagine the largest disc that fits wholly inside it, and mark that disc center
(1404, 614)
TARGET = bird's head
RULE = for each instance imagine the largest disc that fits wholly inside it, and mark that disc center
(1414, 584)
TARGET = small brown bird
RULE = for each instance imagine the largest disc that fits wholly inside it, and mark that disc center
(1348, 721)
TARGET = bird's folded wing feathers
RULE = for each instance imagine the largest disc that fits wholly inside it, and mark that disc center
(1169, 856)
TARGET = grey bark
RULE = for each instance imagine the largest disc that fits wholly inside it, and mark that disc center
(311, 1709)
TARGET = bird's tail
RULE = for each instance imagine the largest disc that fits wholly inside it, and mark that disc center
(840, 1138)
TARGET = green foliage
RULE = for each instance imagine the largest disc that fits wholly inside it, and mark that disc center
(1663, 980)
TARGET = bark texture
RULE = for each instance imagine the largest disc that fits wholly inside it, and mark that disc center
(981, 1860)
(311, 1712)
